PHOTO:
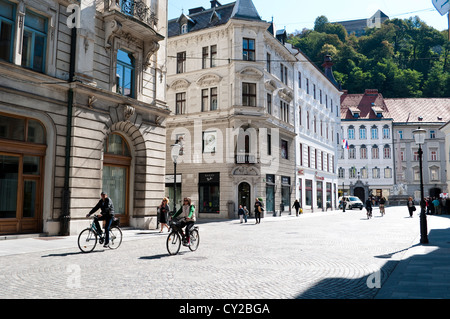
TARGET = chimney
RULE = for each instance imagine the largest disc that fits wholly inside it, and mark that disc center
(371, 92)
(328, 68)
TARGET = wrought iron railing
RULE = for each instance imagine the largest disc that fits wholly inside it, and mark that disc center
(139, 10)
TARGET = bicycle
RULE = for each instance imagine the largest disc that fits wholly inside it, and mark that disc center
(177, 236)
(87, 240)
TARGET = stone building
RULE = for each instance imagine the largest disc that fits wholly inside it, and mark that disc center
(233, 93)
(366, 163)
(82, 109)
(430, 114)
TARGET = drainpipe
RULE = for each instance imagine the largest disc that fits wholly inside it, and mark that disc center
(65, 215)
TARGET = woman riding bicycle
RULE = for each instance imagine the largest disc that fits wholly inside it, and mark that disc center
(188, 211)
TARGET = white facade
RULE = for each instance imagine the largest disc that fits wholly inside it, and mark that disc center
(211, 74)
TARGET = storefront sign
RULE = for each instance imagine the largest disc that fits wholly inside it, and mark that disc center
(209, 178)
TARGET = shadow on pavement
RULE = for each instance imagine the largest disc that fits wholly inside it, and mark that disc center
(423, 275)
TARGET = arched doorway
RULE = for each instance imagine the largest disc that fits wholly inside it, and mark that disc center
(244, 196)
(115, 176)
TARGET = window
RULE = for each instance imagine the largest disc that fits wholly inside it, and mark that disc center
(248, 49)
(181, 62)
(388, 172)
(352, 172)
(364, 173)
(415, 155)
(248, 94)
(180, 103)
(125, 73)
(205, 99)
(341, 172)
(314, 91)
(363, 152)
(299, 80)
(416, 173)
(213, 59)
(184, 28)
(307, 86)
(351, 133)
(432, 134)
(400, 134)
(433, 155)
(34, 42)
(375, 172)
(375, 152)
(269, 103)
(387, 151)
(269, 144)
(7, 17)
(352, 152)
(284, 111)
(284, 149)
(205, 56)
(213, 99)
(284, 73)
(300, 116)
(268, 66)
(362, 133)
(374, 133)
(434, 173)
(386, 132)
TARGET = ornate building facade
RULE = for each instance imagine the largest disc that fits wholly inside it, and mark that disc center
(82, 109)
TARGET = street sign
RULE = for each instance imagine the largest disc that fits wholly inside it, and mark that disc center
(442, 6)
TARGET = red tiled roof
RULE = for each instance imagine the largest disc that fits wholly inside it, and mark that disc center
(431, 110)
(364, 103)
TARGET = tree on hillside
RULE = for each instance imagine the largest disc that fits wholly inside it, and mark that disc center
(402, 58)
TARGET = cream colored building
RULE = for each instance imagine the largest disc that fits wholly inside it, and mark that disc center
(231, 88)
(82, 109)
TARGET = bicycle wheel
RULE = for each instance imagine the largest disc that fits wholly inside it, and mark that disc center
(87, 240)
(115, 237)
(195, 240)
(173, 243)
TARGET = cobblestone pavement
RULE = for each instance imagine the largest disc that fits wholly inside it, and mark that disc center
(316, 255)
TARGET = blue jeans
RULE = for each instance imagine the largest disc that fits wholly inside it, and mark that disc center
(108, 220)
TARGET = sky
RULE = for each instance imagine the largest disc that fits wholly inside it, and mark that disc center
(298, 14)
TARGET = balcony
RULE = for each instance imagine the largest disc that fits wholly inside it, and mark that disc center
(245, 159)
(139, 10)
(131, 19)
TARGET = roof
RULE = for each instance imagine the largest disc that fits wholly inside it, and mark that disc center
(200, 19)
(427, 110)
(367, 105)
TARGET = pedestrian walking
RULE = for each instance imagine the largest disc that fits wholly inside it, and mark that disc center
(258, 210)
(369, 204)
(411, 207)
(382, 202)
(437, 206)
(296, 206)
(246, 213)
(163, 210)
(241, 214)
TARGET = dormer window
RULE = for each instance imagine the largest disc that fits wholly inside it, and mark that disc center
(184, 28)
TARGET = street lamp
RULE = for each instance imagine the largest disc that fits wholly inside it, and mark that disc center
(176, 152)
(419, 137)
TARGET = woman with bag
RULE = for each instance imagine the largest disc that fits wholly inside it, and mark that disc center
(411, 207)
(163, 211)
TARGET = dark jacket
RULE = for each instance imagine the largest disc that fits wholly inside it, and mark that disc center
(105, 206)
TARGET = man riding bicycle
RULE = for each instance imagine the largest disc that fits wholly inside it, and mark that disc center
(106, 206)
(188, 211)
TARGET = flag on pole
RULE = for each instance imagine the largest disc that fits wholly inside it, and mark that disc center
(345, 144)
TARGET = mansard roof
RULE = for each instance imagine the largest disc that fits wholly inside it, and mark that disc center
(200, 18)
